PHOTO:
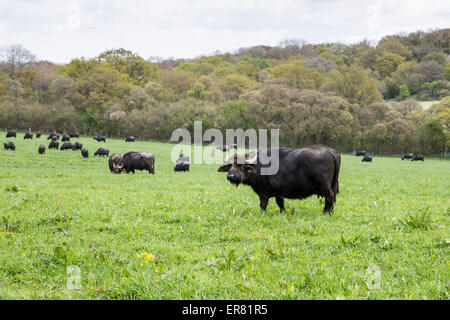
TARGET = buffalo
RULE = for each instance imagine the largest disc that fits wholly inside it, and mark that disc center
(11, 134)
(366, 158)
(74, 135)
(301, 173)
(38, 134)
(407, 156)
(66, 146)
(130, 139)
(418, 157)
(9, 145)
(360, 153)
(85, 153)
(28, 135)
(136, 161)
(53, 136)
(114, 160)
(101, 152)
(53, 144)
(65, 138)
(77, 146)
(182, 164)
(100, 138)
(41, 149)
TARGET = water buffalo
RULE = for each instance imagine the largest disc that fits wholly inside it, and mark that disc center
(182, 163)
(114, 160)
(28, 135)
(360, 152)
(407, 156)
(101, 152)
(130, 139)
(301, 173)
(100, 138)
(65, 138)
(66, 146)
(53, 144)
(418, 157)
(11, 134)
(38, 134)
(74, 135)
(77, 146)
(9, 145)
(136, 161)
(85, 153)
(41, 149)
(53, 136)
(366, 158)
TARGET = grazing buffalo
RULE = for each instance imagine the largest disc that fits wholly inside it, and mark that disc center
(407, 156)
(53, 144)
(301, 173)
(182, 163)
(100, 138)
(28, 135)
(9, 145)
(53, 136)
(65, 138)
(38, 134)
(223, 148)
(136, 161)
(101, 152)
(418, 157)
(360, 152)
(74, 135)
(11, 134)
(41, 149)
(85, 153)
(114, 160)
(77, 146)
(130, 139)
(66, 146)
(366, 158)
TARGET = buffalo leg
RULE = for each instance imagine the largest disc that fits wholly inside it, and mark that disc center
(329, 197)
(263, 201)
(280, 203)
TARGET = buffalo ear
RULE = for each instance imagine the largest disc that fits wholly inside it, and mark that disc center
(224, 168)
(250, 169)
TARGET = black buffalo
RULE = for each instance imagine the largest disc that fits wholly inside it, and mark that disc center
(101, 152)
(418, 157)
(302, 173)
(114, 160)
(53, 136)
(130, 139)
(28, 135)
(53, 144)
(77, 146)
(38, 134)
(360, 152)
(74, 135)
(407, 156)
(100, 138)
(366, 158)
(11, 134)
(182, 164)
(41, 149)
(136, 161)
(85, 153)
(66, 146)
(65, 138)
(9, 145)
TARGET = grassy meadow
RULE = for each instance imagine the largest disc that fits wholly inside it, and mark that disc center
(195, 236)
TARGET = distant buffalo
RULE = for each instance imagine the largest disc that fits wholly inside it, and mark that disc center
(130, 139)
(182, 164)
(53, 136)
(100, 138)
(407, 156)
(11, 134)
(85, 153)
(136, 161)
(367, 158)
(9, 145)
(65, 138)
(41, 149)
(114, 160)
(74, 135)
(77, 146)
(53, 144)
(28, 135)
(101, 152)
(360, 152)
(38, 134)
(66, 146)
(418, 157)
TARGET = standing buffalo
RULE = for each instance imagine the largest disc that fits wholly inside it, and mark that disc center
(53, 136)
(38, 134)
(407, 156)
(101, 152)
(9, 145)
(301, 173)
(130, 139)
(136, 161)
(28, 135)
(418, 157)
(77, 146)
(85, 153)
(100, 138)
(66, 146)
(114, 160)
(53, 144)
(11, 134)
(360, 152)
(366, 158)
(182, 163)
(74, 135)
(41, 149)
(65, 138)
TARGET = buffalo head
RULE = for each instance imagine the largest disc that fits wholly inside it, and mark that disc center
(240, 168)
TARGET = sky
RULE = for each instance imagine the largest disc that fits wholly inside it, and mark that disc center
(59, 31)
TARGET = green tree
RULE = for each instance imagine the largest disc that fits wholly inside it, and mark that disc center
(388, 63)
(404, 91)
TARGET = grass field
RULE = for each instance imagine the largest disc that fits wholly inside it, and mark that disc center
(195, 236)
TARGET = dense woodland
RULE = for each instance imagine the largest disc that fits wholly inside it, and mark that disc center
(348, 96)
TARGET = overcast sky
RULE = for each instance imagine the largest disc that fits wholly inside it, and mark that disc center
(61, 30)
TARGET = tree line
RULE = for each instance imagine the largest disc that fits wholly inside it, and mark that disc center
(348, 96)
